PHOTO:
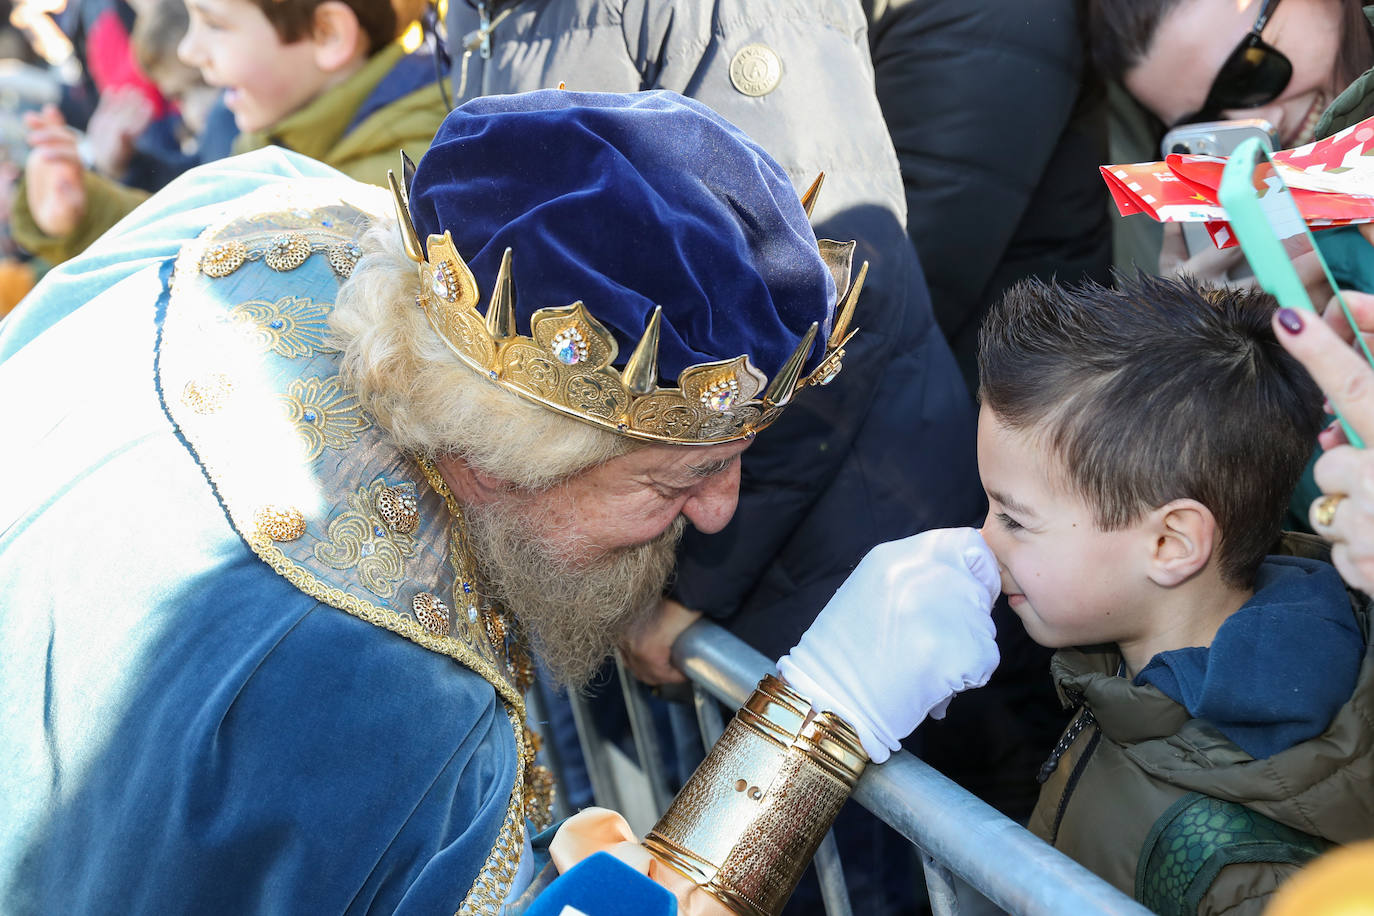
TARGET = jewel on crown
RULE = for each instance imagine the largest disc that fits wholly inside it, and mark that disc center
(721, 394)
(445, 281)
(570, 346)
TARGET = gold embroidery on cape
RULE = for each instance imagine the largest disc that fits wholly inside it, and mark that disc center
(289, 327)
(431, 612)
(286, 251)
(399, 507)
(493, 884)
(326, 414)
(207, 394)
(494, 880)
(386, 619)
(343, 257)
(224, 258)
(470, 620)
(360, 539)
(280, 523)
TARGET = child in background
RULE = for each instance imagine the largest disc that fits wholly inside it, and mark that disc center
(159, 30)
(124, 141)
(343, 81)
(1138, 447)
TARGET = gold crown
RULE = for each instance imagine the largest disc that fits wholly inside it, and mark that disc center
(565, 363)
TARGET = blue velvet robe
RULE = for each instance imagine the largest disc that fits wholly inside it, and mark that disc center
(196, 717)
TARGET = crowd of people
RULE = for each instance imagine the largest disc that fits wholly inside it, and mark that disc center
(388, 358)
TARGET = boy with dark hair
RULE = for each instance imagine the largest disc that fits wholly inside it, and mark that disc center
(1138, 446)
(380, 22)
(341, 81)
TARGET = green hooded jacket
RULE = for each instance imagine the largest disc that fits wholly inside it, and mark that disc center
(1131, 752)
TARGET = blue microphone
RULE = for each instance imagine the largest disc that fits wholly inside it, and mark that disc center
(602, 885)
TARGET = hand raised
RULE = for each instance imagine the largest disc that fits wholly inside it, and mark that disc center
(55, 189)
(121, 116)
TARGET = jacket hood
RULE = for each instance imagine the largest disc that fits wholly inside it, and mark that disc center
(1257, 682)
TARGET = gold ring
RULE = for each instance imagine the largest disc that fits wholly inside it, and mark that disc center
(1324, 510)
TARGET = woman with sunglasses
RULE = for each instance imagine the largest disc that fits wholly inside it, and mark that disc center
(1286, 61)
(1302, 65)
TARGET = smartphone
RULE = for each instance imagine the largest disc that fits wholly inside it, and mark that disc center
(1217, 138)
(1213, 138)
(1268, 224)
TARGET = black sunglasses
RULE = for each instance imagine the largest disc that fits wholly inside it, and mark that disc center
(1256, 73)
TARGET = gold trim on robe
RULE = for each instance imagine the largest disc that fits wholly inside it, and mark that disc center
(250, 380)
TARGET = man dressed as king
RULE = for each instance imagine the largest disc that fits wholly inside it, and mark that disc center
(303, 477)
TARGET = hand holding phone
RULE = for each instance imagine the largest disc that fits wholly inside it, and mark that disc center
(1343, 515)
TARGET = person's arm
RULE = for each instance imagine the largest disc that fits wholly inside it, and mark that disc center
(61, 207)
(120, 117)
(1245, 889)
(107, 202)
(648, 650)
(907, 631)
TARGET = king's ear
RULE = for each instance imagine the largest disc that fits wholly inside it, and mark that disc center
(1184, 535)
(338, 37)
(470, 485)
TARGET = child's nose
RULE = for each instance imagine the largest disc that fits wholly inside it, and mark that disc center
(988, 531)
(992, 533)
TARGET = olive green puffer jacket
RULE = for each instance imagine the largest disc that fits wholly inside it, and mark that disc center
(1131, 752)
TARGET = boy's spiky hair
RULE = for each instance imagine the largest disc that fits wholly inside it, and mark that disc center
(381, 20)
(1153, 391)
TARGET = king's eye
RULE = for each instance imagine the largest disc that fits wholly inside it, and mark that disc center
(1008, 522)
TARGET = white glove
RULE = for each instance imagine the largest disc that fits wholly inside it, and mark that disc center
(910, 628)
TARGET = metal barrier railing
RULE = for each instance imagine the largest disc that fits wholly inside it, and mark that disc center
(955, 833)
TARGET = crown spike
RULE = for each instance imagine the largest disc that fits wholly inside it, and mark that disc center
(785, 383)
(501, 311)
(641, 371)
(808, 200)
(839, 258)
(851, 299)
(409, 239)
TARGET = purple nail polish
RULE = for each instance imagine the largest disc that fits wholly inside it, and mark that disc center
(1290, 320)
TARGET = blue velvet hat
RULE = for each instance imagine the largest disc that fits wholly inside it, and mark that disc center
(627, 202)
